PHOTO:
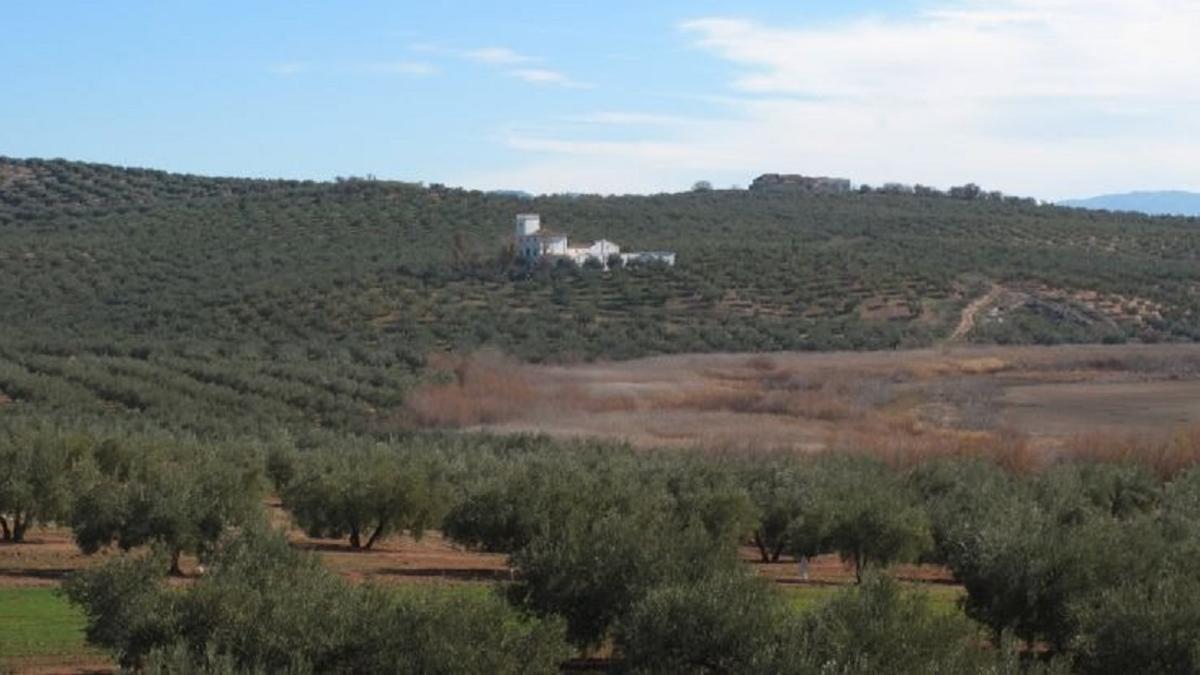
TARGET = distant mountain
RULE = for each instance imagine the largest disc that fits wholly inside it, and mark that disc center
(1165, 203)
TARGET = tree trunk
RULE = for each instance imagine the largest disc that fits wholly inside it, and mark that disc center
(858, 567)
(5, 535)
(762, 546)
(18, 528)
(176, 570)
(777, 552)
(355, 540)
(375, 536)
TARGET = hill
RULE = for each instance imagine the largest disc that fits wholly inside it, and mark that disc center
(187, 298)
(1165, 203)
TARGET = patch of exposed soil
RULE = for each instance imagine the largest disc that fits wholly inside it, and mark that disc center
(61, 665)
(45, 557)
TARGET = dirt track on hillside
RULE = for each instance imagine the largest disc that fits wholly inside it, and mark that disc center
(971, 312)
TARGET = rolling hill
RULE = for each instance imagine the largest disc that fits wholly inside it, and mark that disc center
(189, 299)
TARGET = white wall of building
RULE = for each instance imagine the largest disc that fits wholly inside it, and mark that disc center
(528, 223)
(666, 257)
(531, 242)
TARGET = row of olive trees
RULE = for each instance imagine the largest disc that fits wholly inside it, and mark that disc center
(1093, 561)
(263, 607)
(266, 608)
(1097, 561)
(126, 490)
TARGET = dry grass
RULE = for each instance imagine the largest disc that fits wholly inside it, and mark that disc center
(823, 401)
(900, 406)
(1165, 454)
(480, 388)
(903, 444)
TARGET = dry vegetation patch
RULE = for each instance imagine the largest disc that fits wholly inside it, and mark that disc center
(1022, 406)
(482, 388)
(1166, 453)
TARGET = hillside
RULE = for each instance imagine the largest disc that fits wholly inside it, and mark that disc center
(177, 297)
(1167, 203)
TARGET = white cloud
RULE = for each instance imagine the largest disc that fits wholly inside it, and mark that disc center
(497, 56)
(409, 68)
(1051, 98)
(513, 63)
(976, 49)
(546, 76)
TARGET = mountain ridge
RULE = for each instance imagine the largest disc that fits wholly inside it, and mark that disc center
(1150, 202)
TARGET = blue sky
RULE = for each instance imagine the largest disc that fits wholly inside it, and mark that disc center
(1052, 98)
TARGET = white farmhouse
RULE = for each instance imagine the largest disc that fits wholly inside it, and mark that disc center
(535, 243)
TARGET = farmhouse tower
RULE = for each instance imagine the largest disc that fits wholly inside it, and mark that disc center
(528, 224)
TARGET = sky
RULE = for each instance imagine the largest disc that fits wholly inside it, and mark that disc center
(1045, 98)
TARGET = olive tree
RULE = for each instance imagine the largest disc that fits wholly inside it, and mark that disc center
(36, 470)
(783, 496)
(509, 510)
(364, 493)
(596, 568)
(1149, 626)
(864, 512)
(878, 529)
(180, 497)
(877, 627)
(727, 622)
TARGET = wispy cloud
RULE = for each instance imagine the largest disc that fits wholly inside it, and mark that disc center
(1044, 97)
(546, 76)
(511, 62)
(497, 56)
(408, 68)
